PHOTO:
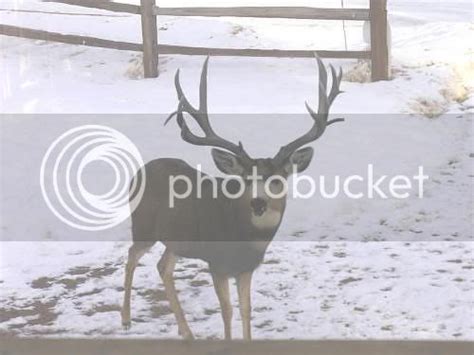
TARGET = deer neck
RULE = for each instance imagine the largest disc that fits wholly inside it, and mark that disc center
(269, 221)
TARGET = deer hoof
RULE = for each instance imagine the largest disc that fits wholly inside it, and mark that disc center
(187, 334)
(126, 325)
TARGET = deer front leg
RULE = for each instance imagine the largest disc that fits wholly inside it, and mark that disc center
(221, 285)
(244, 281)
(135, 253)
(166, 268)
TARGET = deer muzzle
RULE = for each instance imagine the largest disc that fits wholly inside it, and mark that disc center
(259, 206)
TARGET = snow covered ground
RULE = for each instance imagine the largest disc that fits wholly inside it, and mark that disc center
(397, 269)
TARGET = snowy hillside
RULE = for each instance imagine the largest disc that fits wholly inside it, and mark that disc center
(341, 268)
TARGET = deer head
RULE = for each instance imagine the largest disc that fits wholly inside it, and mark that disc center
(232, 159)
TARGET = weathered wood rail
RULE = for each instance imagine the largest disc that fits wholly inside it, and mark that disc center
(151, 48)
(308, 13)
(39, 346)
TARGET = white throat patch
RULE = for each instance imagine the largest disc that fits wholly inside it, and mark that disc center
(270, 219)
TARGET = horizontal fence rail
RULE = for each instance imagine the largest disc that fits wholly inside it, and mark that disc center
(38, 346)
(149, 12)
(172, 49)
(275, 53)
(69, 39)
(308, 13)
(102, 5)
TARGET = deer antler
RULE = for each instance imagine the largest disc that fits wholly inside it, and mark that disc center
(201, 117)
(321, 117)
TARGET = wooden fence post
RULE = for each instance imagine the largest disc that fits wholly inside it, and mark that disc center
(379, 40)
(150, 38)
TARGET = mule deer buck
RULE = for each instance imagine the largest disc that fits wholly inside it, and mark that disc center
(230, 234)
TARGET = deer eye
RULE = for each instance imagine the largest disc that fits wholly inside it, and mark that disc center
(276, 186)
(275, 183)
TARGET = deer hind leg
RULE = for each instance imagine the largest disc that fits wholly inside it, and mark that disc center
(244, 282)
(221, 285)
(135, 253)
(166, 268)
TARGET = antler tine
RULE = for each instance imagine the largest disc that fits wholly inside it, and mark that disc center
(201, 117)
(320, 118)
(183, 101)
(323, 104)
(336, 84)
(203, 87)
(200, 114)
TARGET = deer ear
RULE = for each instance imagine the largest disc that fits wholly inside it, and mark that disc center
(300, 160)
(226, 162)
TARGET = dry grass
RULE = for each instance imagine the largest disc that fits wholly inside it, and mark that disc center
(461, 83)
(237, 29)
(429, 107)
(456, 88)
(360, 73)
(135, 68)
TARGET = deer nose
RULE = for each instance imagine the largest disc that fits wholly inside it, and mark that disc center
(259, 206)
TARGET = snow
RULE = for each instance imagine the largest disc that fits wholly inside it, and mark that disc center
(342, 268)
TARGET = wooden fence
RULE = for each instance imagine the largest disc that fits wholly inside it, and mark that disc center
(151, 48)
(39, 346)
